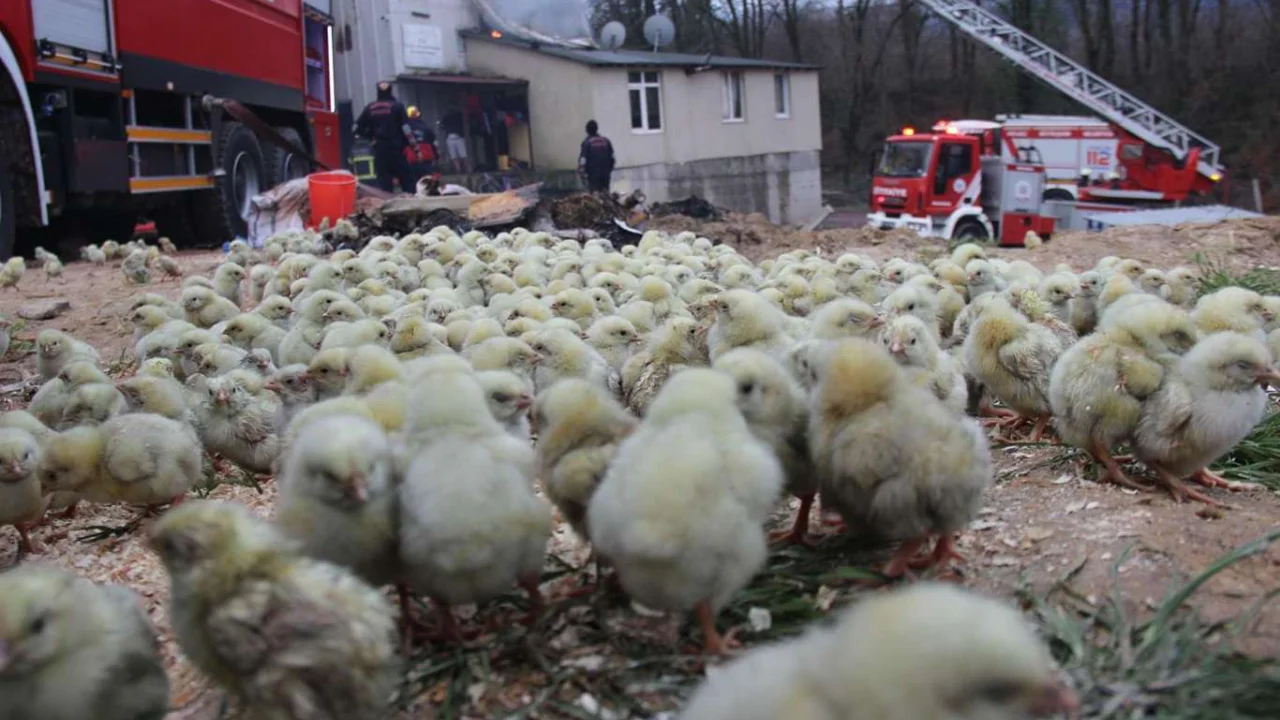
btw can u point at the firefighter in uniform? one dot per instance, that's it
(595, 160)
(386, 122)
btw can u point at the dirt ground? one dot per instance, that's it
(1040, 521)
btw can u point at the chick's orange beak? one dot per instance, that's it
(876, 322)
(221, 397)
(272, 385)
(896, 348)
(1055, 698)
(1270, 376)
(358, 489)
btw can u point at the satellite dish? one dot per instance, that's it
(613, 35)
(659, 31)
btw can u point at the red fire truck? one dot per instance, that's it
(102, 119)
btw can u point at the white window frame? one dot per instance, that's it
(785, 112)
(643, 86)
(733, 80)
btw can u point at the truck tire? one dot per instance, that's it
(220, 214)
(1058, 194)
(285, 165)
(970, 230)
(8, 221)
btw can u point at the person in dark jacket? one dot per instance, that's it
(595, 161)
(422, 155)
(386, 122)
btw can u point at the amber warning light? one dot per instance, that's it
(495, 34)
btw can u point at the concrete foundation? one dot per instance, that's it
(786, 187)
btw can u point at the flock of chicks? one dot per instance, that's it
(675, 391)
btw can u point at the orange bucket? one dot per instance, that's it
(332, 195)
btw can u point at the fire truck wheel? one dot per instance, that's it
(970, 230)
(8, 223)
(284, 165)
(220, 214)
(1057, 194)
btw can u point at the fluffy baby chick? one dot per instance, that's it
(11, 273)
(55, 349)
(1013, 357)
(914, 301)
(413, 338)
(1210, 400)
(352, 335)
(925, 651)
(672, 347)
(138, 459)
(1098, 386)
(575, 305)
(135, 268)
(684, 526)
(22, 504)
(565, 355)
(1152, 281)
(70, 649)
(329, 371)
(168, 266)
(615, 338)
(983, 278)
(1084, 308)
(847, 318)
(93, 254)
(337, 496)
(205, 308)
(369, 367)
(91, 404)
(52, 269)
(291, 637)
(912, 346)
(579, 428)
(293, 385)
(1058, 290)
(868, 426)
(1233, 309)
(237, 421)
(250, 331)
(509, 397)
(160, 396)
(773, 404)
(1181, 285)
(226, 281)
(276, 309)
(746, 319)
(470, 523)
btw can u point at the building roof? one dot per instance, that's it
(639, 58)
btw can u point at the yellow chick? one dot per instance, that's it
(250, 331)
(928, 650)
(352, 335)
(412, 338)
(1098, 385)
(1180, 287)
(470, 523)
(337, 496)
(329, 371)
(914, 301)
(509, 397)
(773, 404)
(1084, 307)
(22, 504)
(135, 269)
(53, 269)
(55, 349)
(891, 458)
(615, 338)
(503, 354)
(370, 366)
(1013, 357)
(683, 525)
(846, 318)
(982, 279)
(565, 355)
(1209, 401)
(291, 637)
(237, 421)
(912, 346)
(746, 319)
(167, 265)
(671, 348)
(293, 385)
(91, 404)
(137, 459)
(575, 305)
(50, 401)
(205, 308)
(1233, 309)
(11, 273)
(160, 396)
(72, 649)
(579, 428)
(1058, 290)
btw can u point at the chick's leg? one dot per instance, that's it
(798, 534)
(901, 560)
(1180, 491)
(536, 604)
(1111, 469)
(25, 543)
(716, 644)
(1208, 478)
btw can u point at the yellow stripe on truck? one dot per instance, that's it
(142, 134)
(166, 184)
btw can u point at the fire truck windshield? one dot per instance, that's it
(905, 159)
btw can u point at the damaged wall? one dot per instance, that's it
(786, 187)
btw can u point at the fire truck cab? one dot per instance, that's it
(943, 184)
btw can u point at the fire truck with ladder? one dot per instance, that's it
(112, 110)
(982, 180)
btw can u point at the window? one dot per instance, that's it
(734, 108)
(782, 95)
(645, 89)
(954, 161)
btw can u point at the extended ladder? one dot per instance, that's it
(1077, 82)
